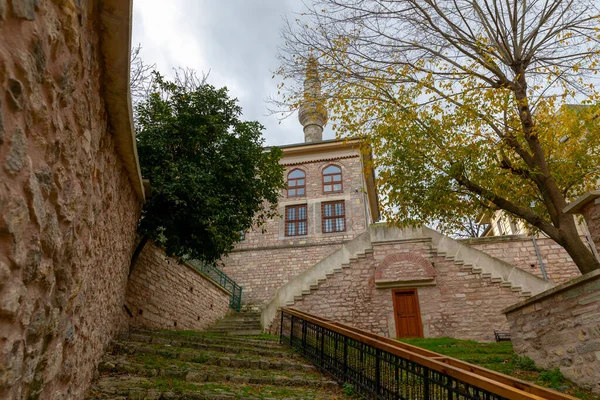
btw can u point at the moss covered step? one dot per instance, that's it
(151, 366)
(163, 367)
(135, 387)
(166, 337)
(132, 346)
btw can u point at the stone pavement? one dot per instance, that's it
(190, 365)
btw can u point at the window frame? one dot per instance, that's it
(332, 183)
(296, 221)
(297, 186)
(333, 217)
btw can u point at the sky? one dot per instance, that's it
(235, 40)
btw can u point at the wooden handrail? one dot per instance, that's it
(480, 377)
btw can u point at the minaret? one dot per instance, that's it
(312, 114)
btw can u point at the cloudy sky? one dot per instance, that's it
(236, 40)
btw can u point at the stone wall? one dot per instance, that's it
(591, 213)
(560, 328)
(519, 251)
(267, 259)
(457, 304)
(68, 206)
(163, 294)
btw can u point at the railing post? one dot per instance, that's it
(345, 358)
(426, 383)
(292, 332)
(377, 373)
(281, 329)
(322, 345)
(304, 336)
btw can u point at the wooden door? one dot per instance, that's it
(407, 313)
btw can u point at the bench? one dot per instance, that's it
(501, 336)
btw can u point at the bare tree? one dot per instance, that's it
(464, 100)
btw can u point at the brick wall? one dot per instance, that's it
(520, 252)
(267, 259)
(163, 294)
(68, 209)
(460, 304)
(560, 328)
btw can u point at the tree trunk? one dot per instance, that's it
(136, 253)
(578, 250)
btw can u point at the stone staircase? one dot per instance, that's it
(238, 323)
(469, 259)
(191, 365)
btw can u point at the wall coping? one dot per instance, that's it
(206, 278)
(495, 239)
(557, 289)
(576, 205)
(115, 47)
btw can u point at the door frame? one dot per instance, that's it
(416, 294)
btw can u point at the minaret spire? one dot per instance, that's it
(312, 114)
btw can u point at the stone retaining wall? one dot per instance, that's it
(560, 328)
(456, 303)
(163, 294)
(68, 204)
(519, 251)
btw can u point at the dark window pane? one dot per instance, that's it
(328, 188)
(339, 224)
(300, 182)
(337, 187)
(327, 179)
(337, 178)
(292, 183)
(301, 192)
(328, 226)
(339, 208)
(292, 192)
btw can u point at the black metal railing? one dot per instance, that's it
(220, 277)
(378, 370)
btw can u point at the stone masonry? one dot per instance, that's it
(68, 205)
(519, 251)
(560, 328)
(267, 259)
(163, 294)
(457, 304)
(591, 213)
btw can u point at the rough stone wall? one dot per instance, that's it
(591, 213)
(266, 259)
(520, 252)
(163, 294)
(68, 211)
(461, 304)
(261, 272)
(560, 328)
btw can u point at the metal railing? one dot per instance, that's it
(220, 277)
(383, 368)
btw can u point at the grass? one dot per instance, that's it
(500, 357)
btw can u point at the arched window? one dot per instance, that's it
(296, 183)
(332, 179)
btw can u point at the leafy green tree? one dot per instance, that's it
(210, 176)
(467, 105)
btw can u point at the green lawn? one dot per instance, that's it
(500, 357)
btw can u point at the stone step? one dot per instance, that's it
(525, 294)
(515, 288)
(241, 325)
(248, 332)
(476, 270)
(134, 387)
(257, 341)
(213, 370)
(286, 360)
(506, 284)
